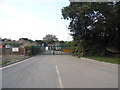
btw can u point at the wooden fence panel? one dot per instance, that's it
(8, 51)
(21, 52)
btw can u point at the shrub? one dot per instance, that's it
(32, 50)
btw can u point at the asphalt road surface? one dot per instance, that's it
(60, 71)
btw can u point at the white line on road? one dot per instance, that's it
(59, 78)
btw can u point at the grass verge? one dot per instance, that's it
(105, 59)
(11, 58)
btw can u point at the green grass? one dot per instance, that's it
(105, 59)
(4, 62)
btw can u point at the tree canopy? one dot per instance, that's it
(49, 39)
(94, 25)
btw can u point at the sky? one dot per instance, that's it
(33, 19)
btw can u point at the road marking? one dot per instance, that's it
(59, 78)
(14, 64)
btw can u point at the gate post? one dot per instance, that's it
(53, 52)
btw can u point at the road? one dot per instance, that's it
(60, 71)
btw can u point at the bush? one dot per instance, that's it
(32, 50)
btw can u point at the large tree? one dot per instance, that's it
(96, 24)
(49, 39)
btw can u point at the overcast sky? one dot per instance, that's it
(33, 19)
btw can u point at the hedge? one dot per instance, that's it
(32, 50)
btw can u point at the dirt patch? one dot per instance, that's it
(11, 58)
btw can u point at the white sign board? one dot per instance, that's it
(15, 49)
(46, 48)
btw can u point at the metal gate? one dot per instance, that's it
(55, 50)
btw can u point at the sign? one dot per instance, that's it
(56, 45)
(15, 49)
(49, 44)
(46, 48)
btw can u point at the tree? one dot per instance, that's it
(26, 39)
(40, 41)
(49, 39)
(14, 44)
(5, 39)
(95, 28)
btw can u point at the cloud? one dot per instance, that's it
(7, 9)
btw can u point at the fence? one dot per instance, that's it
(56, 50)
(20, 52)
(8, 51)
(35, 50)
